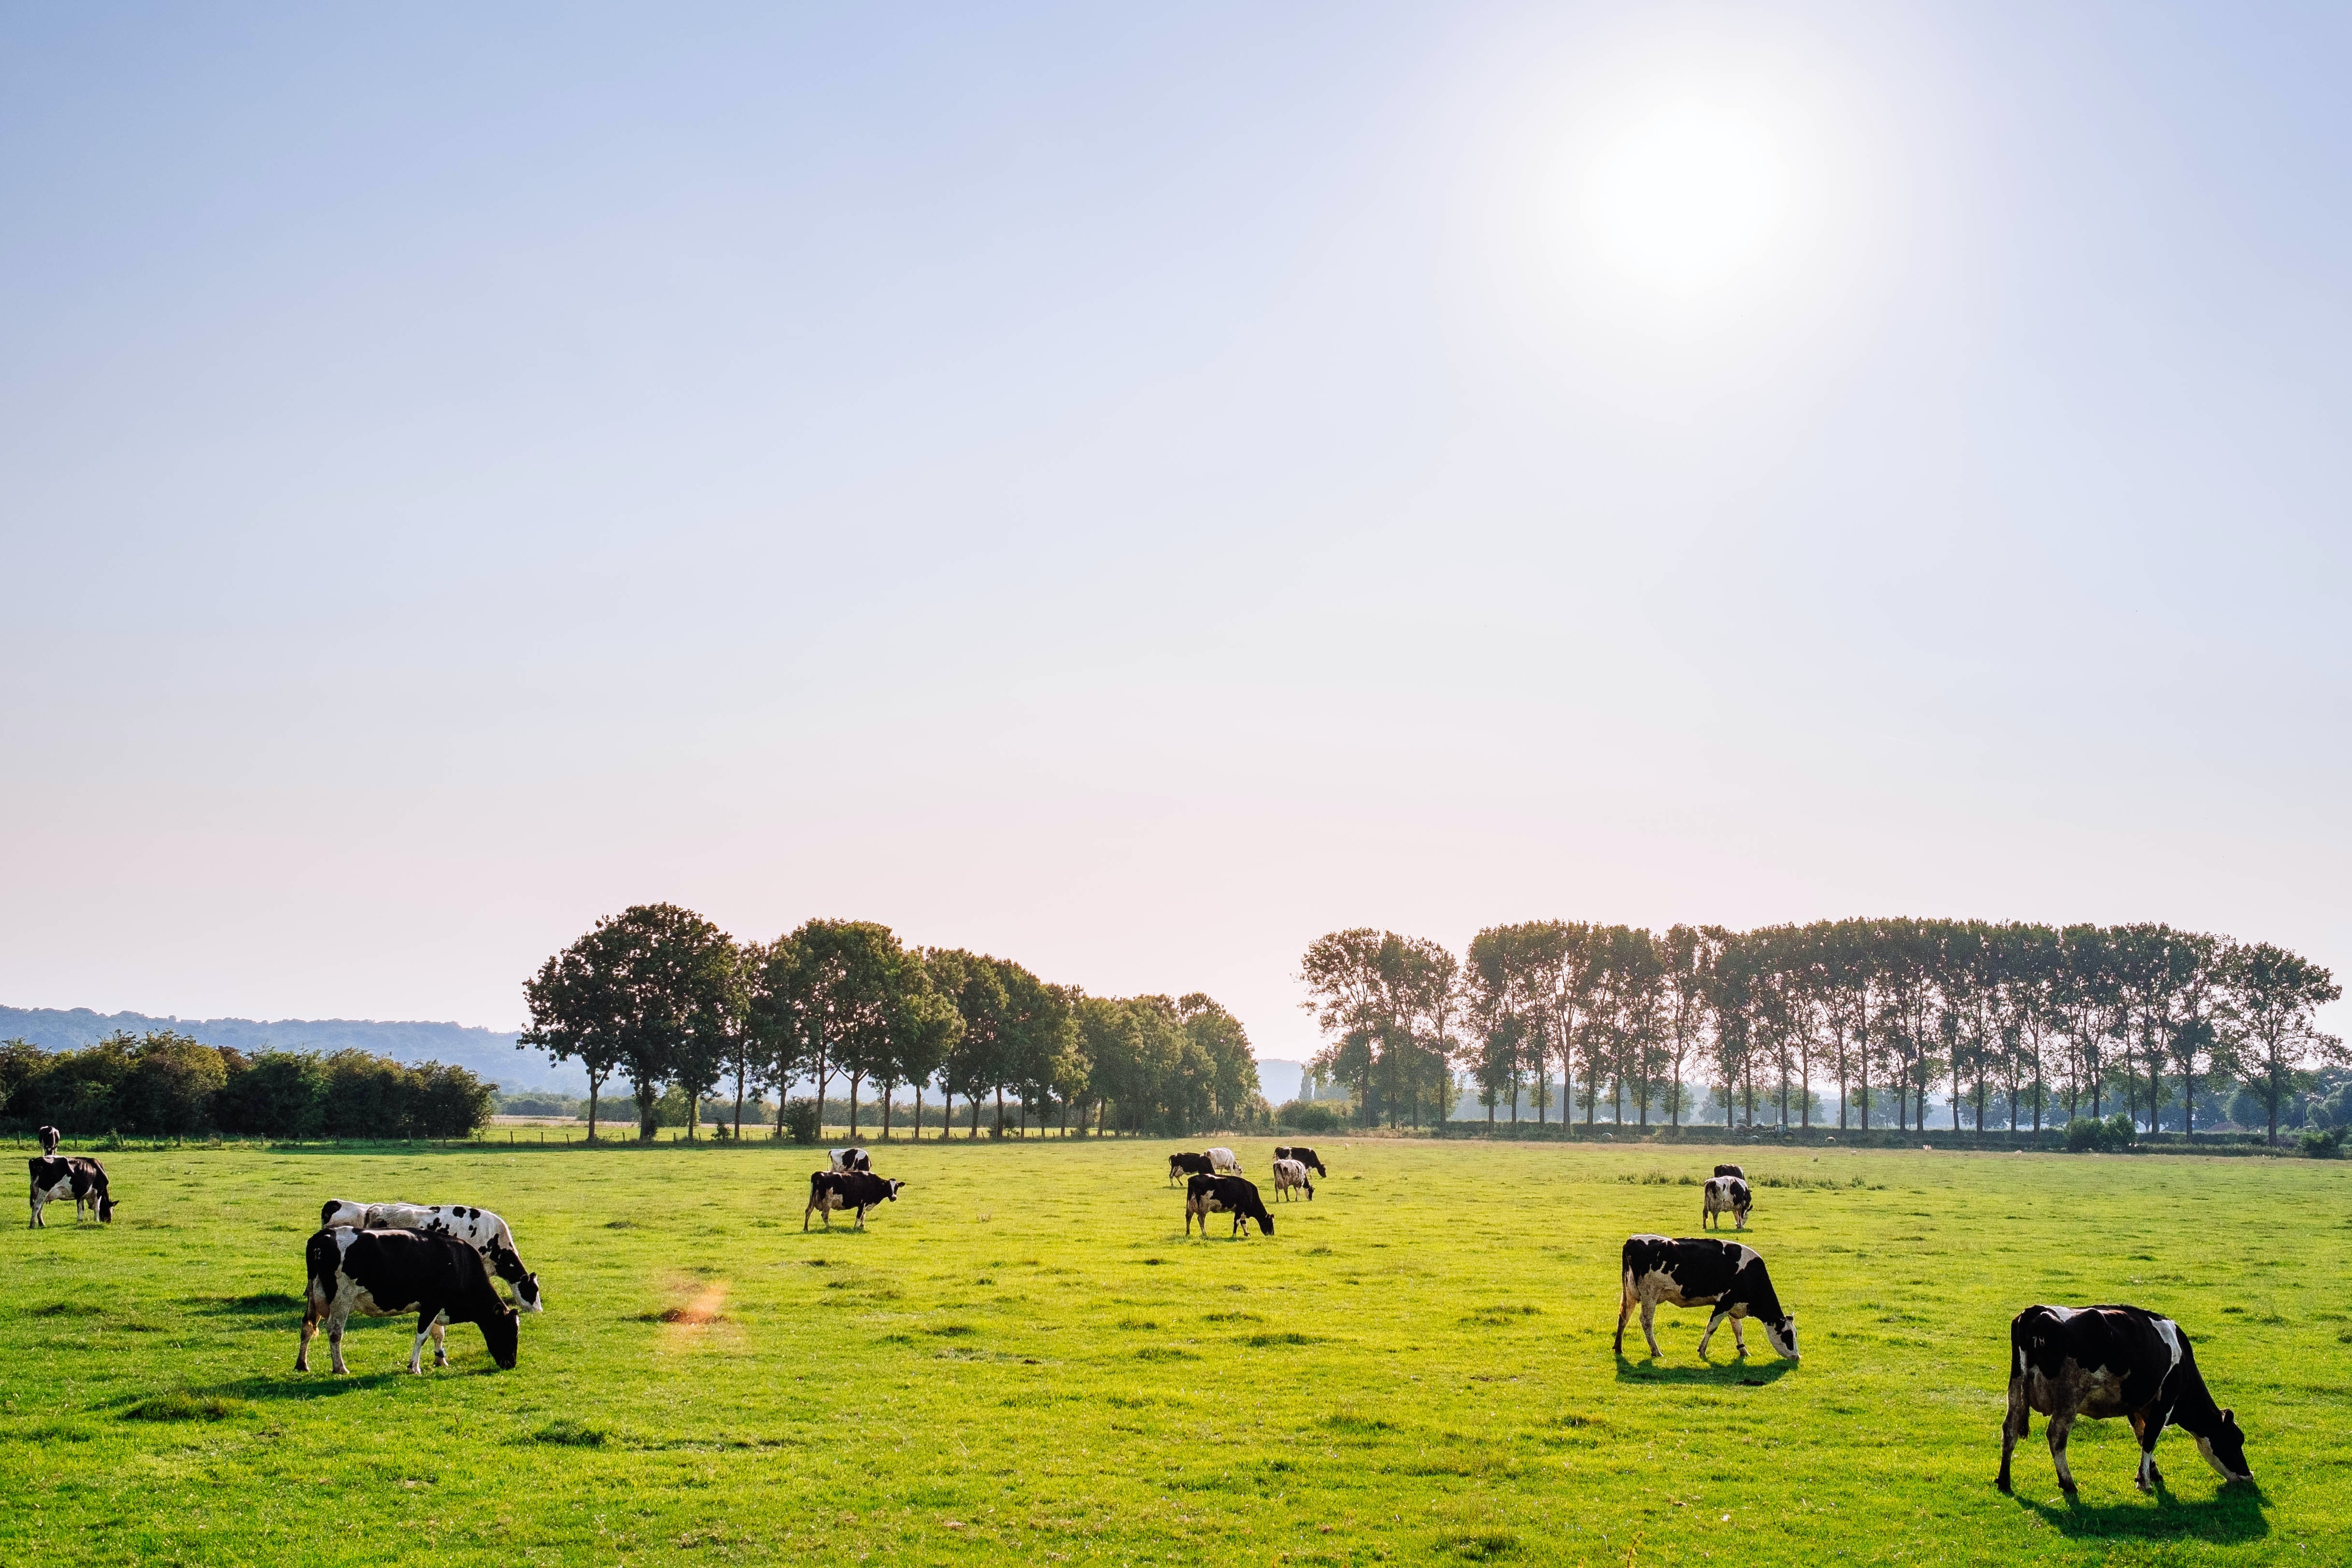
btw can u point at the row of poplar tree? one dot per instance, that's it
(2035, 1015)
(662, 998)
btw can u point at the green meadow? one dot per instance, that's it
(1025, 1358)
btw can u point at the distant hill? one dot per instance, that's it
(487, 1052)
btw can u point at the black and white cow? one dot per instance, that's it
(384, 1274)
(2101, 1362)
(49, 1137)
(1303, 1155)
(851, 1159)
(1725, 1194)
(477, 1228)
(1224, 1160)
(1189, 1165)
(860, 1190)
(57, 1177)
(1236, 1196)
(1731, 1170)
(1289, 1176)
(1702, 1272)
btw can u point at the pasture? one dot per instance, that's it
(1025, 1359)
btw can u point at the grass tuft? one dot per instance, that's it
(1485, 1546)
(566, 1433)
(182, 1405)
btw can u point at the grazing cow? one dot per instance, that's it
(1700, 1271)
(384, 1274)
(1236, 1196)
(57, 1177)
(1731, 1170)
(851, 1159)
(1189, 1165)
(1290, 1175)
(1304, 1156)
(860, 1190)
(477, 1228)
(2100, 1362)
(1223, 1160)
(1725, 1194)
(49, 1137)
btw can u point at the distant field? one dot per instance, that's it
(1025, 1359)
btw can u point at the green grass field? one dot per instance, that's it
(1025, 1358)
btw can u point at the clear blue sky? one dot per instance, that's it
(1133, 489)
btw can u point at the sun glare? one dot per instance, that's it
(1687, 198)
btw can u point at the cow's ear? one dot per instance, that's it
(2229, 1417)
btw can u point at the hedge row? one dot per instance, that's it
(168, 1085)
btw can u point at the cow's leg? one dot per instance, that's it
(1714, 1323)
(309, 1327)
(2060, 1424)
(440, 1342)
(35, 1222)
(1738, 1343)
(1624, 1310)
(861, 1217)
(2014, 1426)
(1650, 1328)
(335, 1343)
(2147, 1428)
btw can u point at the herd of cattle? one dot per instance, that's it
(387, 1259)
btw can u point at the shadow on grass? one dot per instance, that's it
(2235, 1513)
(321, 1385)
(1754, 1373)
(268, 1304)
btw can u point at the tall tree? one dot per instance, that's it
(832, 980)
(2272, 999)
(630, 996)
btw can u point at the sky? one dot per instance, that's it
(1131, 490)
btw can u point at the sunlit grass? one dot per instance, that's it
(1024, 1358)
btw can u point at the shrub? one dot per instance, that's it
(801, 1121)
(2087, 1135)
(2319, 1145)
(1307, 1116)
(277, 1094)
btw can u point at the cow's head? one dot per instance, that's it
(893, 1193)
(2224, 1448)
(500, 1333)
(105, 1209)
(1265, 1220)
(1782, 1333)
(526, 1292)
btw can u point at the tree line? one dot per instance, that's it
(659, 997)
(2037, 1018)
(165, 1084)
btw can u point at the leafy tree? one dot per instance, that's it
(976, 1059)
(170, 1086)
(2271, 997)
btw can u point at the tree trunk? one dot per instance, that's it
(855, 1078)
(974, 1101)
(596, 1082)
(888, 1091)
(645, 1112)
(739, 1104)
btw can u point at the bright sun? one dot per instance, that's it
(1688, 198)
